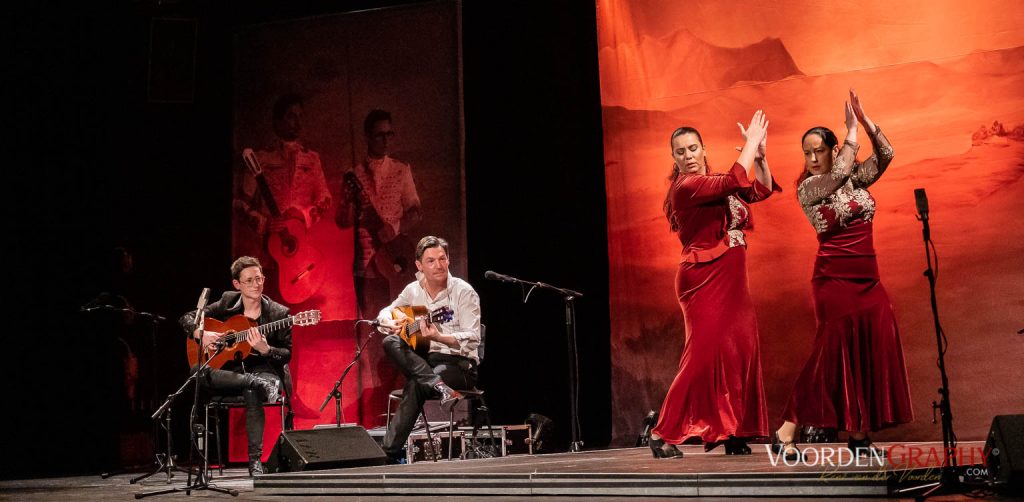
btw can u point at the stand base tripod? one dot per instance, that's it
(164, 463)
(202, 479)
(188, 490)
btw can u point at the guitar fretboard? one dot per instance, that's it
(415, 326)
(269, 327)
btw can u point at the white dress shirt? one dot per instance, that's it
(458, 296)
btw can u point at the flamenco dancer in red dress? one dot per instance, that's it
(717, 395)
(856, 378)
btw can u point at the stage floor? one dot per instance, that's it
(594, 476)
(629, 472)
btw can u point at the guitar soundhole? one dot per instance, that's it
(288, 244)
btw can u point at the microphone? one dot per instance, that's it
(202, 299)
(494, 276)
(922, 203)
(201, 312)
(372, 322)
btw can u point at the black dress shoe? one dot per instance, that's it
(865, 448)
(449, 396)
(736, 446)
(255, 467)
(792, 453)
(712, 445)
(661, 449)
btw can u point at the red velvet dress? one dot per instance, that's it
(718, 391)
(856, 378)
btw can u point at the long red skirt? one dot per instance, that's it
(718, 391)
(856, 377)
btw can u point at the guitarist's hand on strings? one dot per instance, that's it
(258, 341)
(392, 325)
(209, 338)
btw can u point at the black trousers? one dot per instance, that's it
(235, 382)
(420, 377)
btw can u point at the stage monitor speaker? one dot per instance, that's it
(329, 448)
(1004, 452)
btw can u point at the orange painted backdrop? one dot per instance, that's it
(934, 75)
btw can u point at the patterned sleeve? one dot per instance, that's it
(817, 188)
(409, 196)
(248, 202)
(871, 169)
(321, 194)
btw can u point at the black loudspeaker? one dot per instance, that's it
(329, 448)
(1004, 451)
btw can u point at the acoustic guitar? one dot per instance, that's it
(412, 320)
(395, 257)
(297, 262)
(235, 330)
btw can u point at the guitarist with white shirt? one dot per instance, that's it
(452, 356)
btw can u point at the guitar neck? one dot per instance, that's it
(366, 210)
(268, 197)
(263, 329)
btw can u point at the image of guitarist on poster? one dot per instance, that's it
(379, 199)
(282, 196)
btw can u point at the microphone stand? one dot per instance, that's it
(164, 462)
(568, 296)
(202, 480)
(949, 482)
(335, 393)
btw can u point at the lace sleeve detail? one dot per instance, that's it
(816, 188)
(871, 169)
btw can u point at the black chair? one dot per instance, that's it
(473, 394)
(217, 403)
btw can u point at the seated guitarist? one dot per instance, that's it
(451, 358)
(386, 207)
(257, 377)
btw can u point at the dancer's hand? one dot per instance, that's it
(858, 111)
(851, 118)
(762, 147)
(757, 130)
